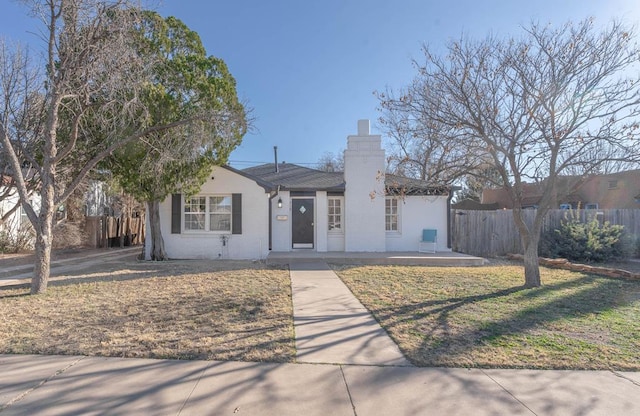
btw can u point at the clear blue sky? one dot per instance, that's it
(309, 68)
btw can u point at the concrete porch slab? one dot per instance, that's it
(376, 258)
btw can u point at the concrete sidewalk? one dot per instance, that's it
(331, 325)
(55, 385)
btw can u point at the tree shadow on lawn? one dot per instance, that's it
(118, 271)
(448, 337)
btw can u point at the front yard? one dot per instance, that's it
(482, 317)
(462, 317)
(181, 310)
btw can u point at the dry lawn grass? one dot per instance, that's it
(180, 310)
(483, 317)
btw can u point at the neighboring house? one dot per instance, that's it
(244, 214)
(9, 201)
(619, 190)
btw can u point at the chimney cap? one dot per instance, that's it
(363, 127)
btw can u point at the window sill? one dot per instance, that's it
(204, 233)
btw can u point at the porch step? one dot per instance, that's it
(450, 259)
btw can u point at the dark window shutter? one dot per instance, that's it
(176, 213)
(236, 213)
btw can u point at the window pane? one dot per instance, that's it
(334, 218)
(195, 204)
(194, 213)
(220, 204)
(220, 222)
(194, 221)
(391, 214)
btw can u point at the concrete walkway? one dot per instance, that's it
(331, 325)
(55, 385)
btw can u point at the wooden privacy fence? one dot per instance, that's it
(104, 231)
(494, 233)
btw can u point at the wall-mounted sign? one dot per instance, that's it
(281, 217)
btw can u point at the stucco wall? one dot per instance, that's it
(13, 223)
(281, 223)
(251, 244)
(418, 213)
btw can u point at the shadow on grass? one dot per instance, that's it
(118, 271)
(540, 306)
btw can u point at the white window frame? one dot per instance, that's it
(331, 217)
(389, 204)
(208, 213)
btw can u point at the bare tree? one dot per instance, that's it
(62, 114)
(421, 147)
(330, 162)
(12, 80)
(552, 101)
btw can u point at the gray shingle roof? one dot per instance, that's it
(298, 178)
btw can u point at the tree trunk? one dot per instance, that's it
(529, 239)
(43, 243)
(531, 265)
(155, 234)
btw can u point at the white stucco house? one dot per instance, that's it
(15, 221)
(9, 200)
(245, 214)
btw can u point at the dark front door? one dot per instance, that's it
(302, 222)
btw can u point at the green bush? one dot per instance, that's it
(587, 241)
